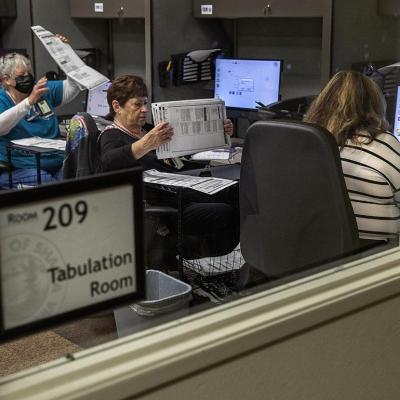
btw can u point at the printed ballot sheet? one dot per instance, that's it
(198, 126)
(36, 141)
(68, 60)
(206, 185)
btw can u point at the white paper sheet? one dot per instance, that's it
(198, 126)
(68, 60)
(216, 154)
(36, 141)
(206, 185)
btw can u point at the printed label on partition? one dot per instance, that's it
(206, 9)
(98, 7)
(63, 255)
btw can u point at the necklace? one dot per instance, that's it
(128, 131)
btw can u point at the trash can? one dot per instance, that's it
(167, 299)
(163, 294)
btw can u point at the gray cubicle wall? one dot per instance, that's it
(15, 31)
(129, 46)
(175, 31)
(126, 37)
(82, 33)
(361, 34)
(297, 41)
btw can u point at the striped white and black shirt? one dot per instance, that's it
(372, 175)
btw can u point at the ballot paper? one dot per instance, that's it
(68, 60)
(198, 126)
(206, 185)
(36, 141)
(216, 154)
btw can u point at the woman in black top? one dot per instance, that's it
(210, 227)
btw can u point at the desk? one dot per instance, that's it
(28, 151)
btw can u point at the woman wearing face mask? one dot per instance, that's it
(27, 110)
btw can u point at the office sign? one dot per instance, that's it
(98, 7)
(62, 254)
(206, 9)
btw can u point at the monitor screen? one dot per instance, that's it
(96, 102)
(396, 119)
(245, 83)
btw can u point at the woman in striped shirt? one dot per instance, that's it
(352, 108)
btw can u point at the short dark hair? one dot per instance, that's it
(123, 88)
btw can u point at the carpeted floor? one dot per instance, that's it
(30, 351)
(37, 349)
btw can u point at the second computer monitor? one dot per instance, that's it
(395, 119)
(96, 102)
(247, 83)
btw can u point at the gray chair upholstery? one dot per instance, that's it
(294, 208)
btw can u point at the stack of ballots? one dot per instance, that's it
(198, 126)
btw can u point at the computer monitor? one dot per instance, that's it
(96, 102)
(388, 80)
(247, 83)
(396, 119)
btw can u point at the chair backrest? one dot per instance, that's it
(81, 151)
(294, 206)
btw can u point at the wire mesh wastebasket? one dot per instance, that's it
(212, 266)
(220, 277)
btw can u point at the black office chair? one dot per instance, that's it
(294, 206)
(82, 158)
(81, 149)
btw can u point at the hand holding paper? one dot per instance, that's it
(198, 125)
(68, 60)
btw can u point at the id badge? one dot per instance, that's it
(44, 109)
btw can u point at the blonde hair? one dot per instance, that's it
(349, 103)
